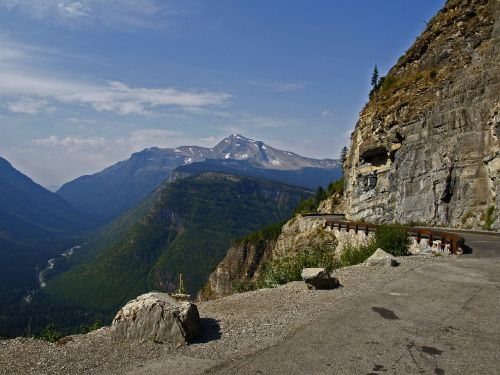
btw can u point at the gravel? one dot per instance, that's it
(234, 327)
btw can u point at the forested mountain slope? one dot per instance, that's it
(188, 230)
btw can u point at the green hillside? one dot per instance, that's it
(188, 229)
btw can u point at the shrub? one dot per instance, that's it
(311, 205)
(336, 187)
(50, 333)
(269, 233)
(91, 327)
(242, 287)
(490, 218)
(393, 239)
(388, 82)
(306, 206)
(433, 73)
(289, 268)
(352, 255)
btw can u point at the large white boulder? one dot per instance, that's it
(159, 317)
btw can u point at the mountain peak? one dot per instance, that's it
(235, 137)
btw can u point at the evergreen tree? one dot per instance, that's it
(375, 77)
(343, 155)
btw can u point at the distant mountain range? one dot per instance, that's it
(116, 189)
(308, 177)
(28, 210)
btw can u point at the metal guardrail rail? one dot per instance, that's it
(455, 240)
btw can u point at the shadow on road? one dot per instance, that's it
(210, 331)
(467, 249)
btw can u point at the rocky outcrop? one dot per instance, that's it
(426, 147)
(157, 317)
(238, 271)
(381, 258)
(301, 233)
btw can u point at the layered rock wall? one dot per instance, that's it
(426, 147)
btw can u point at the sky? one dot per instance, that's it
(83, 84)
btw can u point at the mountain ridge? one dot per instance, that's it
(117, 188)
(26, 206)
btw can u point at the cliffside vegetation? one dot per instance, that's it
(311, 205)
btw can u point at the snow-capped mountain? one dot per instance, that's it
(239, 147)
(121, 186)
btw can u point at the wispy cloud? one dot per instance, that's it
(280, 86)
(327, 114)
(29, 106)
(70, 143)
(58, 159)
(112, 96)
(114, 13)
(30, 91)
(135, 141)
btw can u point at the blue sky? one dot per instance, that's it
(85, 83)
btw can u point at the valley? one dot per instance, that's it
(183, 225)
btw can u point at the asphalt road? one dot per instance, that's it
(441, 318)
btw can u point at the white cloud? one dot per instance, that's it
(85, 121)
(71, 143)
(252, 121)
(208, 140)
(29, 106)
(114, 13)
(112, 96)
(327, 114)
(280, 86)
(74, 10)
(135, 141)
(21, 84)
(141, 139)
(56, 160)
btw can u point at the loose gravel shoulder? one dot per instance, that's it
(234, 327)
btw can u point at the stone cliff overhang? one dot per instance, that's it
(373, 152)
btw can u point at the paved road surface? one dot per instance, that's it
(442, 318)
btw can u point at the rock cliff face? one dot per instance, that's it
(426, 146)
(244, 263)
(240, 268)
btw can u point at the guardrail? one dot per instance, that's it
(455, 241)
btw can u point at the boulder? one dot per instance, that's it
(381, 258)
(318, 278)
(158, 317)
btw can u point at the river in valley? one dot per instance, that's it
(51, 263)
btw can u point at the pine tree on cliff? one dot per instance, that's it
(343, 155)
(375, 77)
